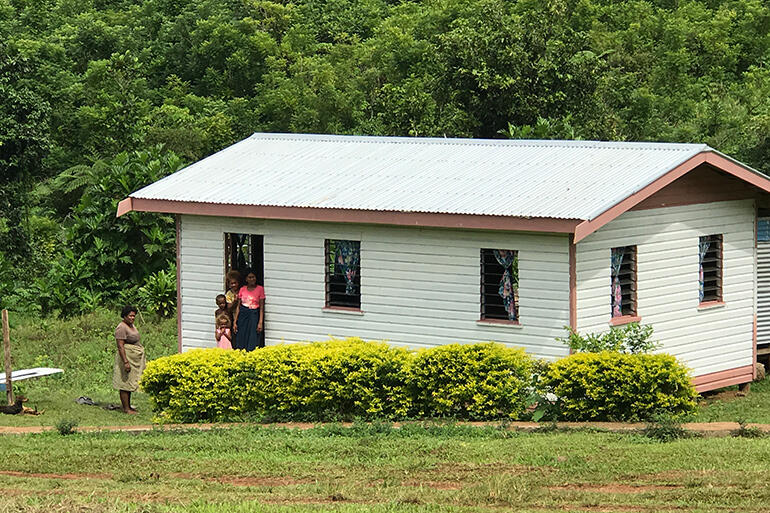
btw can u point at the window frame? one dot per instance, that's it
(484, 315)
(330, 272)
(628, 287)
(718, 268)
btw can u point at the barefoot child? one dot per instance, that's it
(223, 334)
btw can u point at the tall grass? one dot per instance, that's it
(84, 346)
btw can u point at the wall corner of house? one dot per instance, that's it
(178, 222)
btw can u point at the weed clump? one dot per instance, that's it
(746, 431)
(665, 427)
(66, 426)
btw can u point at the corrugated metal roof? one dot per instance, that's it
(521, 178)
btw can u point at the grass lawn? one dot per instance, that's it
(365, 468)
(724, 405)
(85, 348)
(380, 469)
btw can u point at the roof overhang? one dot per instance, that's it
(579, 228)
(715, 159)
(428, 219)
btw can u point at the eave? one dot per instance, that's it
(332, 215)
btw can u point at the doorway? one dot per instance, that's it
(245, 251)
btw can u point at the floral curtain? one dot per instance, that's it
(703, 247)
(347, 257)
(616, 258)
(506, 291)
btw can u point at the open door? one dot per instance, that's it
(246, 251)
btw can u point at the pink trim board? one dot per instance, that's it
(466, 221)
(714, 380)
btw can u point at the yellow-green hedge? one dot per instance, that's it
(618, 386)
(194, 386)
(344, 379)
(340, 379)
(325, 380)
(319, 381)
(476, 381)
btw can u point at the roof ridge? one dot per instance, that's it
(534, 143)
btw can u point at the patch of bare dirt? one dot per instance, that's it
(725, 395)
(261, 481)
(329, 499)
(153, 497)
(675, 476)
(436, 485)
(484, 469)
(16, 492)
(36, 475)
(245, 480)
(616, 508)
(614, 488)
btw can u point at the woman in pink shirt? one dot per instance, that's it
(250, 315)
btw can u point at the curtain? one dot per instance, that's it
(703, 247)
(506, 291)
(242, 263)
(347, 257)
(616, 258)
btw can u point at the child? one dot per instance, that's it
(234, 284)
(221, 307)
(224, 337)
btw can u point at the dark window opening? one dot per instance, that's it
(623, 282)
(343, 273)
(710, 272)
(499, 284)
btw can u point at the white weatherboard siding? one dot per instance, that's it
(707, 340)
(763, 292)
(420, 287)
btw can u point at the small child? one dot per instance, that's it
(231, 296)
(221, 307)
(224, 337)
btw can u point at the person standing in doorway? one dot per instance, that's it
(129, 360)
(231, 296)
(250, 316)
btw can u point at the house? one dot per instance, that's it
(426, 241)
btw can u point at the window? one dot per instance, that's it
(623, 283)
(244, 251)
(500, 284)
(710, 258)
(763, 225)
(343, 273)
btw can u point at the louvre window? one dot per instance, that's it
(710, 257)
(623, 284)
(343, 273)
(499, 284)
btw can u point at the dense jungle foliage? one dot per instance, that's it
(100, 97)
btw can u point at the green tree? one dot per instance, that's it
(108, 257)
(23, 144)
